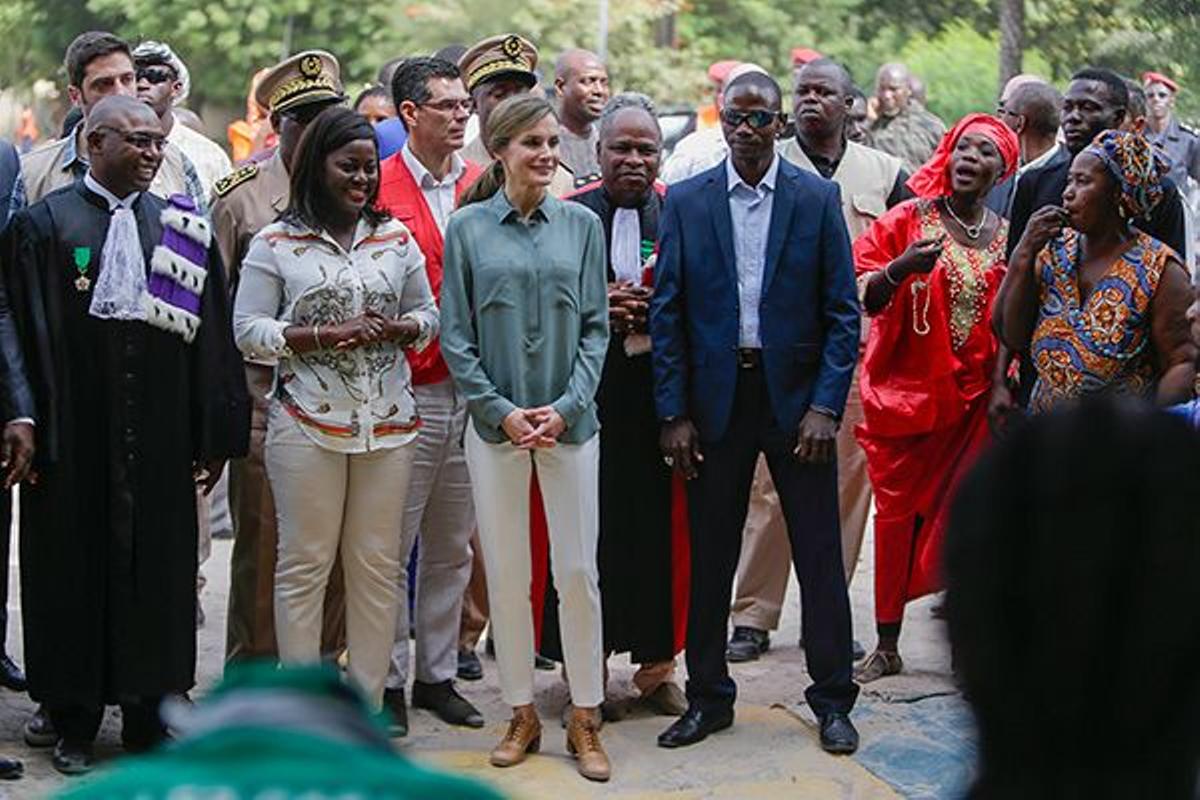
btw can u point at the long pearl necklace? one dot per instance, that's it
(972, 231)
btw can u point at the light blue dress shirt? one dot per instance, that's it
(750, 210)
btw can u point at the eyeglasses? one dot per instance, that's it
(142, 141)
(156, 74)
(757, 119)
(450, 105)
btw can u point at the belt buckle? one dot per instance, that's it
(747, 358)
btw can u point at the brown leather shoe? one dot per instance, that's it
(524, 736)
(583, 742)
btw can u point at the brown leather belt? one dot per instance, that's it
(749, 358)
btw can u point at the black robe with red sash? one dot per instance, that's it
(643, 549)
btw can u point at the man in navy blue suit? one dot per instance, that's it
(755, 325)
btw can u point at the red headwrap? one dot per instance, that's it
(933, 179)
(1157, 77)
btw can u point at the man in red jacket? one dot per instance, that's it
(420, 186)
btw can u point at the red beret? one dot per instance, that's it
(719, 70)
(1158, 77)
(804, 55)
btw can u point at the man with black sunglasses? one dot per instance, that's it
(163, 82)
(754, 325)
(871, 182)
(245, 202)
(99, 64)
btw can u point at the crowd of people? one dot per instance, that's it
(474, 352)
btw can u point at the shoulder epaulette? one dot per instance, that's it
(234, 179)
(1188, 129)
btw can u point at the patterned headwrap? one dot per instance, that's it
(933, 179)
(151, 52)
(1137, 167)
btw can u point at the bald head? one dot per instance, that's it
(822, 95)
(115, 111)
(919, 93)
(1015, 82)
(829, 69)
(893, 89)
(1036, 106)
(125, 144)
(575, 58)
(581, 83)
(895, 71)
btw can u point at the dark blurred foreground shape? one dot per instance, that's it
(1071, 566)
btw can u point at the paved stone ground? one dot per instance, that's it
(916, 732)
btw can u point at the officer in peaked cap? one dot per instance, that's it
(245, 202)
(495, 69)
(304, 79)
(507, 57)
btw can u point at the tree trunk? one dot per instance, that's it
(664, 31)
(1012, 38)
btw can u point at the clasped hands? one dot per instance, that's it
(533, 428)
(368, 328)
(628, 306)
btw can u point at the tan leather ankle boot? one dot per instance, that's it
(524, 736)
(583, 742)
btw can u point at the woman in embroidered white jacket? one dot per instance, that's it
(334, 292)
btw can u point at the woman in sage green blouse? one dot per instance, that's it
(524, 332)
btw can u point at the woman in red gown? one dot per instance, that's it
(928, 271)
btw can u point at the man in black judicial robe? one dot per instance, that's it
(127, 415)
(639, 550)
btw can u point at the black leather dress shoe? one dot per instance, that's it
(72, 758)
(838, 735)
(11, 676)
(470, 668)
(695, 726)
(393, 701)
(445, 701)
(39, 730)
(10, 768)
(747, 644)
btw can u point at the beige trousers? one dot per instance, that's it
(569, 477)
(439, 509)
(331, 503)
(250, 625)
(766, 559)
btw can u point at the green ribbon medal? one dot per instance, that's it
(83, 257)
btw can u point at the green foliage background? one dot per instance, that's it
(953, 44)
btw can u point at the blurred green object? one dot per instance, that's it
(277, 733)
